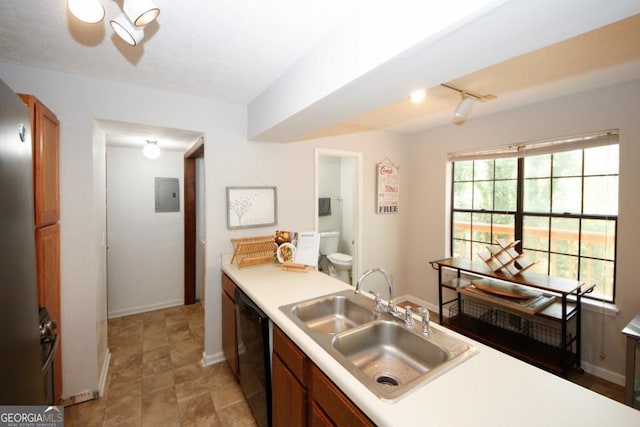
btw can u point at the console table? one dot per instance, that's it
(549, 338)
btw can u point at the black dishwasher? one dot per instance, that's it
(254, 357)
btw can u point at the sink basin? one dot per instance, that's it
(389, 353)
(378, 349)
(333, 314)
(389, 357)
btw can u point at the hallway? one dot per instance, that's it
(155, 377)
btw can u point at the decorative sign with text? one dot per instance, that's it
(388, 189)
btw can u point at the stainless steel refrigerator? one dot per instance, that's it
(27, 342)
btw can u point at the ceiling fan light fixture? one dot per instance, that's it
(88, 11)
(151, 150)
(141, 12)
(126, 30)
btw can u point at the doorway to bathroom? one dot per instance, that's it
(339, 212)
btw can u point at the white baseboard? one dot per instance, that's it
(211, 359)
(144, 308)
(605, 374)
(418, 301)
(102, 383)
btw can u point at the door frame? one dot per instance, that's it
(358, 256)
(195, 152)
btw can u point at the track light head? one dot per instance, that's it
(126, 30)
(88, 11)
(462, 110)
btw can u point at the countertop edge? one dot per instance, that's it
(270, 287)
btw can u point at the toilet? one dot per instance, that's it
(339, 264)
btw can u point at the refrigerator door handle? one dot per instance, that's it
(52, 354)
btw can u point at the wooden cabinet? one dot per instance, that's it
(317, 417)
(45, 133)
(288, 372)
(48, 275)
(45, 130)
(229, 337)
(337, 407)
(289, 396)
(303, 395)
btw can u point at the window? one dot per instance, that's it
(558, 198)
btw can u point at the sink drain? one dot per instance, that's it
(387, 380)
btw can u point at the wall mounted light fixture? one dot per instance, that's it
(463, 109)
(151, 150)
(128, 25)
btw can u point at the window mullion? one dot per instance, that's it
(519, 217)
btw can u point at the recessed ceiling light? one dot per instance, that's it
(417, 96)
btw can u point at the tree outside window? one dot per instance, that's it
(561, 204)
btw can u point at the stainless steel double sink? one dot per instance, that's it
(388, 357)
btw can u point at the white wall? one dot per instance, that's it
(77, 101)
(230, 160)
(329, 184)
(100, 248)
(201, 238)
(348, 191)
(146, 248)
(610, 108)
(402, 243)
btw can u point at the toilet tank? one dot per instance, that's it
(329, 241)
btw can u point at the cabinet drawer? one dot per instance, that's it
(333, 402)
(290, 354)
(228, 286)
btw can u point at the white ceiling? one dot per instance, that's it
(230, 50)
(234, 51)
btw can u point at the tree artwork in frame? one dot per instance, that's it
(251, 207)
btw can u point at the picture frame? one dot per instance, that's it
(249, 207)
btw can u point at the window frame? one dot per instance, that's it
(519, 214)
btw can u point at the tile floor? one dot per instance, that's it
(155, 377)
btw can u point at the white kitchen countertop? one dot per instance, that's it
(489, 389)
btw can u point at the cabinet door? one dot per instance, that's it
(229, 337)
(318, 418)
(333, 402)
(291, 355)
(45, 130)
(288, 402)
(48, 275)
(46, 172)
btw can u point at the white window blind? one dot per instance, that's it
(535, 148)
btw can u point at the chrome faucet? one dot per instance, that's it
(377, 303)
(391, 307)
(408, 317)
(424, 313)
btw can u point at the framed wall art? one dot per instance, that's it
(251, 207)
